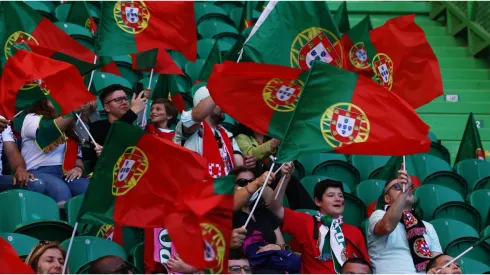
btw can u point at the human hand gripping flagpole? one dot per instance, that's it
(143, 121)
(281, 183)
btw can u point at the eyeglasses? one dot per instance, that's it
(243, 182)
(235, 269)
(398, 187)
(118, 100)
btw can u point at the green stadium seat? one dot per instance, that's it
(195, 87)
(226, 41)
(21, 243)
(480, 199)
(125, 65)
(470, 266)
(204, 10)
(425, 164)
(145, 81)
(179, 59)
(433, 137)
(131, 237)
(236, 16)
(224, 46)
(341, 170)
(212, 27)
(354, 211)
(228, 6)
(21, 213)
(479, 253)
(449, 230)
(307, 211)
(193, 69)
(102, 80)
(79, 33)
(485, 232)
(429, 197)
(368, 164)
(299, 170)
(476, 172)
(438, 150)
(460, 211)
(137, 256)
(45, 8)
(246, 32)
(448, 179)
(369, 190)
(309, 183)
(61, 11)
(310, 161)
(86, 249)
(204, 47)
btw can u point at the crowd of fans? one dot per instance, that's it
(398, 241)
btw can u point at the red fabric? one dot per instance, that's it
(164, 64)
(211, 152)
(300, 226)
(416, 71)
(172, 26)
(71, 154)
(10, 262)
(179, 102)
(150, 265)
(152, 129)
(110, 68)
(348, 44)
(63, 80)
(371, 208)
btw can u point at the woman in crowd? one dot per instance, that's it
(163, 115)
(47, 258)
(51, 151)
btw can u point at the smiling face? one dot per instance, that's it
(50, 262)
(332, 202)
(158, 113)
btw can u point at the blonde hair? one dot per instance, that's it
(32, 259)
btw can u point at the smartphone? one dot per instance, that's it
(138, 87)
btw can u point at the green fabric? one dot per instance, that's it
(360, 33)
(326, 86)
(342, 18)
(146, 59)
(247, 15)
(214, 57)
(327, 252)
(98, 203)
(48, 135)
(167, 85)
(101, 80)
(250, 147)
(78, 14)
(234, 52)
(470, 141)
(20, 17)
(278, 40)
(224, 185)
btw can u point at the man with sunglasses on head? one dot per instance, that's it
(398, 240)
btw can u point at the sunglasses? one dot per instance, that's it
(243, 182)
(398, 187)
(235, 269)
(118, 100)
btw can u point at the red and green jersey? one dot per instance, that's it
(471, 146)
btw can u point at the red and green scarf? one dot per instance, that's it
(217, 150)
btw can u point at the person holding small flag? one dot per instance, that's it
(163, 114)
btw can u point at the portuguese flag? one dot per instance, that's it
(294, 34)
(213, 58)
(79, 14)
(167, 87)
(143, 181)
(470, 146)
(343, 112)
(10, 262)
(269, 92)
(147, 60)
(342, 18)
(137, 26)
(56, 80)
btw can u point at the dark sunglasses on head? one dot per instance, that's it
(398, 187)
(243, 182)
(118, 100)
(235, 269)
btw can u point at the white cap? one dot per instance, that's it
(200, 94)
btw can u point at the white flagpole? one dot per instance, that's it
(143, 119)
(260, 195)
(404, 169)
(281, 183)
(69, 247)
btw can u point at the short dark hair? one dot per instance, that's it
(323, 185)
(107, 91)
(241, 169)
(388, 181)
(357, 261)
(105, 265)
(236, 254)
(170, 108)
(432, 262)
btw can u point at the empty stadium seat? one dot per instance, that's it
(236, 16)
(228, 6)
(309, 183)
(479, 253)
(204, 47)
(21, 243)
(429, 197)
(449, 230)
(368, 164)
(193, 69)
(204, 10)
(354, 211)
(336, 168)
(79, 33)
(369, 190)
(212, 27)
(480, 199)
(440, 151)
(145, 81)
(102, 80)
(137, 256)
(476, 172)
(448, 179)
(125, 65)
(460, 211)
(45, 8)
(33, 214)
(308, 162)
(86, 249)
(224, 46)
(486, 232)
(470, 266)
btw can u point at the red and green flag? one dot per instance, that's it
(10, 262)
(60, 82)
(168, 86)
(471, 146)
(342, 18)
(144, 181)
(399, 58)
(128, 27)
(79, 14)
(213, 58)
(294, 34)
(342, 112)
(147, 60)
(269, 92)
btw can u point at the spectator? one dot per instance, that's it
(51, 151)
(200, 131)
(435, 265)
(3, 123)
(398, 240)
(356, 266)
(117, 106)
(238, 262)
(21, 178)
(47, 258)
(163, 115)
(321, 252)
(109, 265)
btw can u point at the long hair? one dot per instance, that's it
(32, 259)
(43, 109)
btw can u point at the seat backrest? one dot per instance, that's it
(86, 249)
(366, 164)
(460, 211)
(369, 190)
(472, 170)
(204, 47)
(102, 80)
(429, 197)
(479, 253)
(23, 207)
(470, 266)
(438, 150)
(339, 170)
(61, 11)
(354, 210)
(193, 69)
(138, 256)
(72, 207)
(311, 161)
(211, 27)
(480, 200)
(426, 164)
(205, 8)
(21, 243)
(449, 230)
(74, 29)
(310, 182)
(448, 179)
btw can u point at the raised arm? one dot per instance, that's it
(276, 205)
(242, 196)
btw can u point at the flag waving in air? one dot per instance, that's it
(10, 262)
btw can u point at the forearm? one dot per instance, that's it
(203, 109)
(259, 152)
(391, 218)
(63, 123)
(242, 196)
(15, 159)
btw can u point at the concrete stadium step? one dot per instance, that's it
(456, 74)
(462, 63)
(451, 126)
(444, 41)
(450, 51)
(463, 85)
(439, 106)
(466, 96)
(395, 7)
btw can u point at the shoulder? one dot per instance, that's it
(376, 215)
(351, 229)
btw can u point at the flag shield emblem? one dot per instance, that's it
(421, 248)
(383, 69)
(480, 154)
(281, 94)
(214, 246)
(358, 56)
(90, 25)
(129, 169)
(131, 16)
(20, 40)
(106, 231)
(345, 125)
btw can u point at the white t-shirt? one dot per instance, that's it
(6, 136)
(33, 155)
(390, 253)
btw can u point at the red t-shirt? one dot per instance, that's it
(154, 130)
(300, 227)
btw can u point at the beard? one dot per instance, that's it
(217, 118)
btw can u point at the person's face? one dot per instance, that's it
(117, 104)
(355, 268)
(217, 115)
(241, 266)
(242, 179)
(50, 262)
(393, 190)
(451, 269)
(158, 113)
(332, 203)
